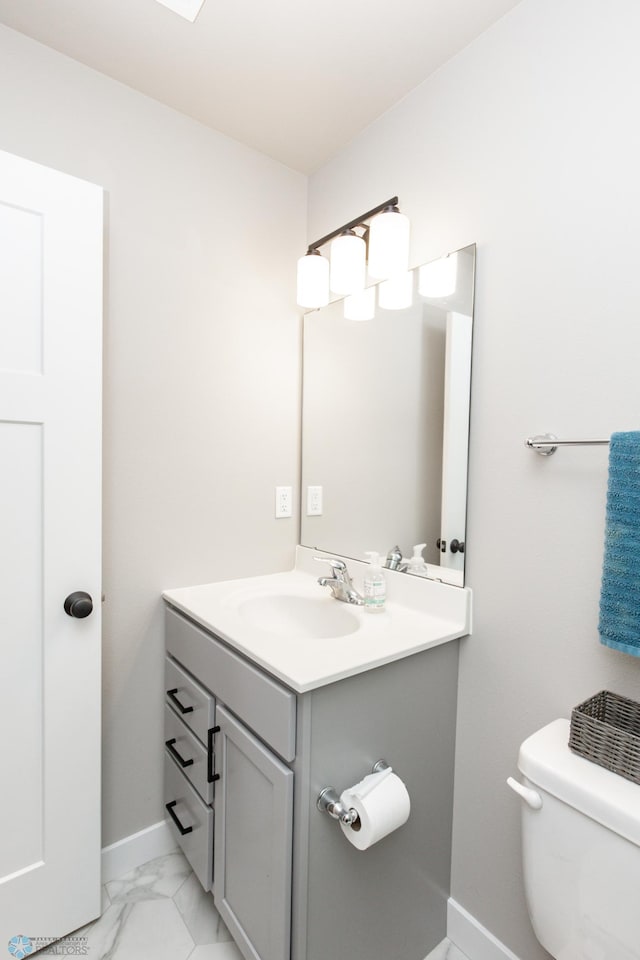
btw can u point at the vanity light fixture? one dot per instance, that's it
(383, 232)
(397, 292)
(439, 278)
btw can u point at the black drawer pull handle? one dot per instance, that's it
(169, 744)
(172, 696)
(174, 817)
(211, 776)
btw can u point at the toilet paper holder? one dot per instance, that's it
(329, 800)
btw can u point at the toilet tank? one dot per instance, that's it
(581, 852)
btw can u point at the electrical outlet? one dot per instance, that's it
(314, 501)
(284, 502)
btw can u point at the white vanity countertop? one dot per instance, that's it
(419, 614)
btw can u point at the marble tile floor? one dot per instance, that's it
(157, 911)
(160, 910)
(447, 951)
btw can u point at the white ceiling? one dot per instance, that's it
(294, 79)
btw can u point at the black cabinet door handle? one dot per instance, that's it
(174, 817)
(172, 696)
(211, 776)
(169, 744)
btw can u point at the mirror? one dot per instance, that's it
(385, 423)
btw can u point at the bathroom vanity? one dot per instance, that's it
(275, 691)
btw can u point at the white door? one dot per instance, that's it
(50, 472)
(455, 444)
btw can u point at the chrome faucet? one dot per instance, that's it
(340, 583)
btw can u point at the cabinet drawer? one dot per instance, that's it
(263, 703)
(183, 803)
(189, 754)
(195, 705)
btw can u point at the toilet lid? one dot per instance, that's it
(547, 762)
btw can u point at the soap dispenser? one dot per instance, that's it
(375, 588)
(416, 565)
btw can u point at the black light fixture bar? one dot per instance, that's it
(393, 202)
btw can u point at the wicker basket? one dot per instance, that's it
(606, 730)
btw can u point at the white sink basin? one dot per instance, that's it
(295, 630)
(301, 617)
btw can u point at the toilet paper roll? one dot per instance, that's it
(382, 804)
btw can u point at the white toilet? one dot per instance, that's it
(580, 849)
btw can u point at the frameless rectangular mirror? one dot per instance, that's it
(385, 422)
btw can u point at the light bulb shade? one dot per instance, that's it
(388, 244)
(439, 278)
(348, 263)
(396, 293)
(313, 281)
(361, 306)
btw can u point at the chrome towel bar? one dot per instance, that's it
(546, 443)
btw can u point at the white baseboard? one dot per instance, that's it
(130, 852)
(472, 938)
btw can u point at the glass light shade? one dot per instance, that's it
(361, 306)
(388, 244)
(438, 279)
(396, 293)
(348, 263)
(313, 281)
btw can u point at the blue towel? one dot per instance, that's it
(620, 596)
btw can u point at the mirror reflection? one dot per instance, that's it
(385, 421)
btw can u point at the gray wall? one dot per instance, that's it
(527, 144)
(201, 369)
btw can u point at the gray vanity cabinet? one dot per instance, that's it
(286, 881)
(253, 837)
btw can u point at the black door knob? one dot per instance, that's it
(78, 605)
(457, 546)
(441, 545)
